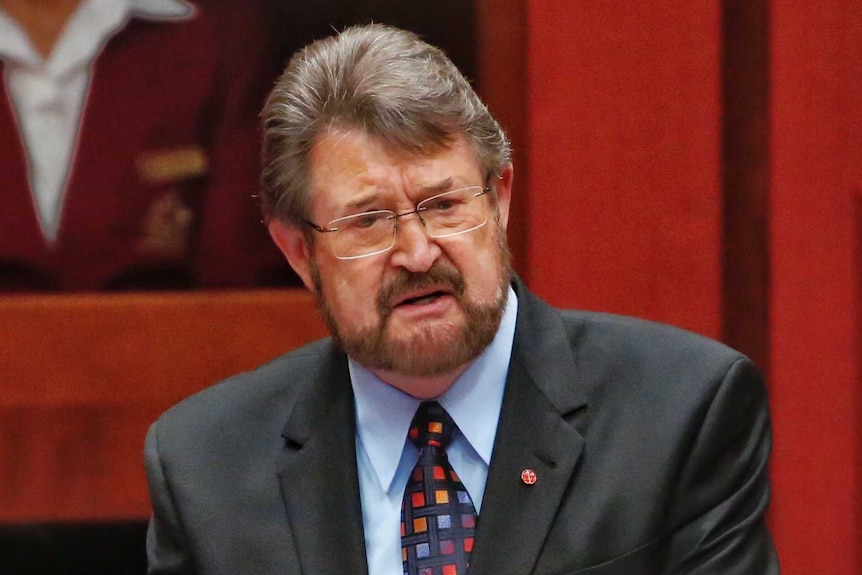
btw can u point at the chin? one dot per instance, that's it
(430, 351)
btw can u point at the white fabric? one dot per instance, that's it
(48, 94)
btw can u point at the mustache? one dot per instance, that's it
(440, 274)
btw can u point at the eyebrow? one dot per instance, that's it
(438, 188)
(364, 201)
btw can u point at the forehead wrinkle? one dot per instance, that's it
(326, 143)
(364, 200)
(441, 186)
(335, 171)
(374, 176)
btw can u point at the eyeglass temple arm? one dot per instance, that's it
(318, 228)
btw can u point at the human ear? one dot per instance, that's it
(503, 187)
(291, 242)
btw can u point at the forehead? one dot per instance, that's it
(348, 167)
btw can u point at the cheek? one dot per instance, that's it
(479, 263)
(485, 279)
(352, 297)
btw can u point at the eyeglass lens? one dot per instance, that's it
(447, 214)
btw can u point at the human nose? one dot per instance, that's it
(413, 249)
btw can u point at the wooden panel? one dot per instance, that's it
(625, 198)
(82, 377)
(103, 349)
(73, 462)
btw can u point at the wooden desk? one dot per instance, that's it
(83, 376)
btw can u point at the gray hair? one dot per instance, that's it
(397, 88)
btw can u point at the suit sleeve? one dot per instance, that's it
(724, 488)
(167, 553)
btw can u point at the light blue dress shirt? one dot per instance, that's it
(385, 457)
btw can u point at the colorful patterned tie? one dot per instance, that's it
(437, 515)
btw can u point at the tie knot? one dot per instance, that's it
(431, 426)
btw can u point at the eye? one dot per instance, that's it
(368, 220)
(443, 204)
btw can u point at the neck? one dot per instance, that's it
(43, 20)
(421, 387)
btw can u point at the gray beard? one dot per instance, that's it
(426, 352)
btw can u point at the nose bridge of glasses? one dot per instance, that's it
(412, 244)
(403, 229)
(417, 210)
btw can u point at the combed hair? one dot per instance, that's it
(388, 82)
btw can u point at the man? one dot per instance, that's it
(129, 148)
(585, 443)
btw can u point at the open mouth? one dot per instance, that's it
(423, 299)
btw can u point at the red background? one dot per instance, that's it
(696, 163)
(627, 197)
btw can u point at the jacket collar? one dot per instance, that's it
(318, 472)
(537, 434)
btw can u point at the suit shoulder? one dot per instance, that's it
(626, 347)
(274, 385)
(633, 334)
(639, 374)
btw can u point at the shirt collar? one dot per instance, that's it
(383, 413)
(161, 9)
(84, 33)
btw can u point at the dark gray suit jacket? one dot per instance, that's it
(650, 445)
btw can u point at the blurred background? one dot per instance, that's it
(697, 163)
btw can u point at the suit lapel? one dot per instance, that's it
(319, 478)
(533, 434)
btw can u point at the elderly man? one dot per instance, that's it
(453, 418)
